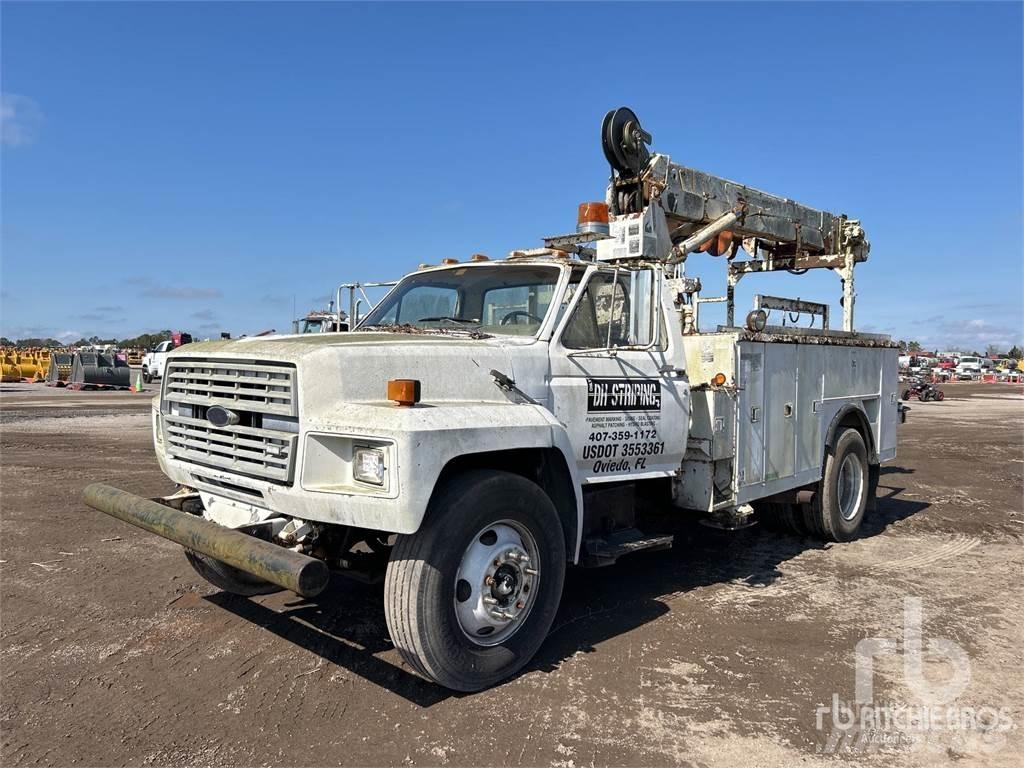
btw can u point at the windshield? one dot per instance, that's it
(503, 299)
(312, 326)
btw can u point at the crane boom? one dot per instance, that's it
(660, 210)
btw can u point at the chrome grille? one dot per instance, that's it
(234, 384)
(262, 445)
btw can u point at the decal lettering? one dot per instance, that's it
(623, 395)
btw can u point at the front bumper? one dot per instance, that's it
(303, 575)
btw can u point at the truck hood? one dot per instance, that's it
(355, 367)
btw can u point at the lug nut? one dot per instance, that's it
(520, 605)
(490, 600)
(530, 571)
(489, 580)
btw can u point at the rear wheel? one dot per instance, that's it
(838, 507)
(906, 394)
(227, 578)
(148, 378)
(470, 597)
(940, 395)
(781, 516)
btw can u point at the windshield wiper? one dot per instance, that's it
(449, 318)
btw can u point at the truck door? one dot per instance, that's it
(615, 384)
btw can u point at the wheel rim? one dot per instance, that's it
(496, 583)
(851, 486)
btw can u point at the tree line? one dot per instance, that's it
(991, 351)
(142, 341)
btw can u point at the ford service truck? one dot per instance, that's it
(491, 422)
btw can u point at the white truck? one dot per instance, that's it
(969, 367)
(492, 422)
(154, 361)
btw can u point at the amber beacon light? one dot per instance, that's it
(404, 391)
(593, 217)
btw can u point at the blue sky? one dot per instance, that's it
(198, 166)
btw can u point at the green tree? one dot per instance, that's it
(913, 347)
(1015, 352)
(145, 340)
(36, 342)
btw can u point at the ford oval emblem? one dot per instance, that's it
(221, 417)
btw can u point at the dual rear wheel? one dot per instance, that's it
(841, 500)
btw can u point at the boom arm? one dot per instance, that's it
(662, 210)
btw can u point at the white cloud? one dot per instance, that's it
(154, 290)
(975, 333)
(19, 119)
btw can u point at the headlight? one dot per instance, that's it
(368, 466)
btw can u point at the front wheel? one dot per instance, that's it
(470, 597)
(906, 394)
(940, 395)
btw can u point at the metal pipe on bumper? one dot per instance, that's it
(303, 575)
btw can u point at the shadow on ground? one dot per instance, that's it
(345, 625)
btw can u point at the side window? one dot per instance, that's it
(615, 310)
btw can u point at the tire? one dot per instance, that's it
(427, 615)
(228, 578)
(940, 395)
(837, 512)
(906, 394)
(782, 517)
(146, 377)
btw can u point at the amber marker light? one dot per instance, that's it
(719, 380)
(404, 391)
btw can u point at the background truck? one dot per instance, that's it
(321, 321)
(491, 422)
(968, 367)
(154, 360)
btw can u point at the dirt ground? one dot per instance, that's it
(730, 649)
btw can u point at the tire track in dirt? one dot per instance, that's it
(961, 545)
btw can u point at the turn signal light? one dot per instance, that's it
(449, 260)
(479, 257)
(719, 380)
(404, 391)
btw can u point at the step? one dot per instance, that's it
(598, 552)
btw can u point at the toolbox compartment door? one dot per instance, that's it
(751, 419)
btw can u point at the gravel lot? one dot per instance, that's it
(719, 652)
